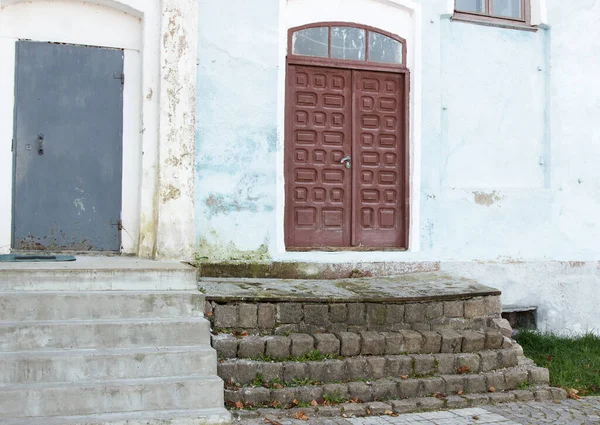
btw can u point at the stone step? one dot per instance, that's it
(90, 273)
(106, 364)
(391, 388)
(404, 406)
(137, 395)
(89, 334)
(160, 417)
(349, 344)
(244, 372)
(65, 305)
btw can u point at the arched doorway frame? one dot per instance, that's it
(158, 209)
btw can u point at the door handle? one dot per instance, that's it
(346, 161)
(40, 140)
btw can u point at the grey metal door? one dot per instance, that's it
(67, 147)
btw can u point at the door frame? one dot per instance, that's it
(292, 60)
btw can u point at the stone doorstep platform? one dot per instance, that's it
(416, 287)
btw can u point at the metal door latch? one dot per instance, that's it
(40, 140)
(346, 161)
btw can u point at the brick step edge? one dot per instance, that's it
(411, 405)
(244, 372)
(393, 388)
(350, 344)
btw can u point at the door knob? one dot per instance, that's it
(346, 161)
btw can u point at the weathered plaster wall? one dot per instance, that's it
(236, 128)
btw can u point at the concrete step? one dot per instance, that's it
(98, 274)
(64, 305)
(388, 389)
(161, 417)
(402, 406)
(137, 395)
(89, 334)
(245, 372)
(109, 364)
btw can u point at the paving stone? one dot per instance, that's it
(308, 393)
(289, 313)
(225, 345)
(378, 408)
(489, 360)
(523, 395)
(393, 342)
(301, 344)
(278, 347)
(383, 389)
(247, 316)
(475, 384)
(507, 358)
(432, 386)
(493, 339)
(271, 371)
(476, 399)
(403, 406)
(503, 397)
(208, 307)
(353, 409)
(294, 371)
(397, 366)
(349, 344)
(356, 368)
(539, 376)
(284, 396)
(338, 390)
(286, 329)
(360, 390)
(414, 313)
(434, 310)
(473, 341)
(503, 326)
(514, 378)
(558, 394)
(232, 395)
(432, 342)
(251, 347)
(316, 314)
(356, 314)
(328, 412)
(266, 316)
(338, 313)
(256, 395)
(454, 309)
(376, 367)
(412, 341)
(456, 402)
(394, 314)
(227, 371)
(474, 308)
(542, 395)
(226, 316)
(419, 327)
(246, 371)
(445, 363)
(376, 316)
(330, 370)
(409, 388)
(451, 341)
(372, 343)
(424, 364)
(454, 383)
(327, 344)
(429, 403)
(495, 380)
(470, 361)
(493, 305)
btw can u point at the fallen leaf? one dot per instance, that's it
(572, 393)
(492, 389)
(441, 396)
(300, 415)
(277, 385)
(314, 403)
(459, 392)
(476, 418)
(344, 415)
(239, 405)
(210, 314)
(244, 333)
(294, 402)
(463, 369)
(404, 377)
(275, 403)
(368, 411)
(272, 422)
(355, 400)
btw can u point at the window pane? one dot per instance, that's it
(507, 8)
(384, 49)
(311, 42)
(348, 43)
(471, 5)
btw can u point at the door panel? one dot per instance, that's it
(378, 159)
(67, 147)
(318, 137)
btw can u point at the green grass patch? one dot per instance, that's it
(573, 362)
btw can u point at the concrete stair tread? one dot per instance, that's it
(175, 417)
(7, 324)
(102, 351)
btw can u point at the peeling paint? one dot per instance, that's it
(487, 199)
(171, 193)
(218, 251)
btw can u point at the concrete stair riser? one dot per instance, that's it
(31, 336)
(105, 305)
(120, 396)
(88, 365)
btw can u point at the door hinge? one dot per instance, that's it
(119, 76)
(119, 224)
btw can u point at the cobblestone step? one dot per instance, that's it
(408, 405)
(391, 388)
(244, 372)
(350, 344)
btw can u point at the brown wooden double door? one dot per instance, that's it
(345, 154)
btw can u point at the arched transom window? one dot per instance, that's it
(347, 41)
